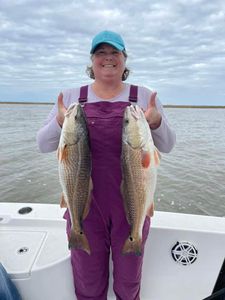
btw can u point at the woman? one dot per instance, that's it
(106, 225)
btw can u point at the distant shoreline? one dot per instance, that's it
(36, 103)
(165, 105)
(192, 106)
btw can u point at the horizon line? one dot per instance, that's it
(164, 105)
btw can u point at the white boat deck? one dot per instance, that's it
(33, 249)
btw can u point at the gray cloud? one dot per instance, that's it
(177, 47)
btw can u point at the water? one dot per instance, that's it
(191, 178)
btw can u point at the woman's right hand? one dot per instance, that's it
(61, 110)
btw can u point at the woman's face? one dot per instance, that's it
(108, 63)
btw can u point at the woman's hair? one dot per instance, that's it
(125, 74)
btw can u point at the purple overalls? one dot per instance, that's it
(106, 225)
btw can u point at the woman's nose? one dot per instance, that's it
(108, 56)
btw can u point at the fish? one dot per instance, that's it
(139, 163)
(74, 165)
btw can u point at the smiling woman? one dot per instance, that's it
(99, 52)
(106, 224)
(108, 65)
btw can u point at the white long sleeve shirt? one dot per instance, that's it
(48, 136)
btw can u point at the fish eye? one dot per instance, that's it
(126, 121)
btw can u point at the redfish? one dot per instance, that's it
(139, 161)
(74, 163)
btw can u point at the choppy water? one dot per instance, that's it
(191, 178)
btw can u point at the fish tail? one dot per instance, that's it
(78, 240)
(132, 245)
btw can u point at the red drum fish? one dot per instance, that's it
(139, 160)
(74, 163)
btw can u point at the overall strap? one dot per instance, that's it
(133, 93)
(83, 94)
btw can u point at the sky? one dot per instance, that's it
(176, 47)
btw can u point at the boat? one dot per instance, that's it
(184, 254)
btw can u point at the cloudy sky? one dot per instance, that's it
(176, 47)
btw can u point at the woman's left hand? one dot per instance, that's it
(152, 115)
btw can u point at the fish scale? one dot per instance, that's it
(135, 187)
(75, 173)
(139, 162)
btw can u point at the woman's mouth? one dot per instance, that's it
(109, 66)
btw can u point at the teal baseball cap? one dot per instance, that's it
(108, 37)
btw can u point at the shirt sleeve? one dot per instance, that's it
(164, 136)
(49, 134)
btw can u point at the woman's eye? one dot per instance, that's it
(100, 53)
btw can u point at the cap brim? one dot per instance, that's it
(115, 45)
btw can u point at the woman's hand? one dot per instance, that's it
(152, 115)
(61, 110)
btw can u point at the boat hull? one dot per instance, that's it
(183, 254)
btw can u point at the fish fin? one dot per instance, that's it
(123, 193)
(150, 210)
(159, 154)
(146, 159)
(79, 241)
(63, 201)
(132, 245)
(157, 157)
(62, 153)
(87, 207)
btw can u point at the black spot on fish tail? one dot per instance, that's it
(132, 246)
(78, 240)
